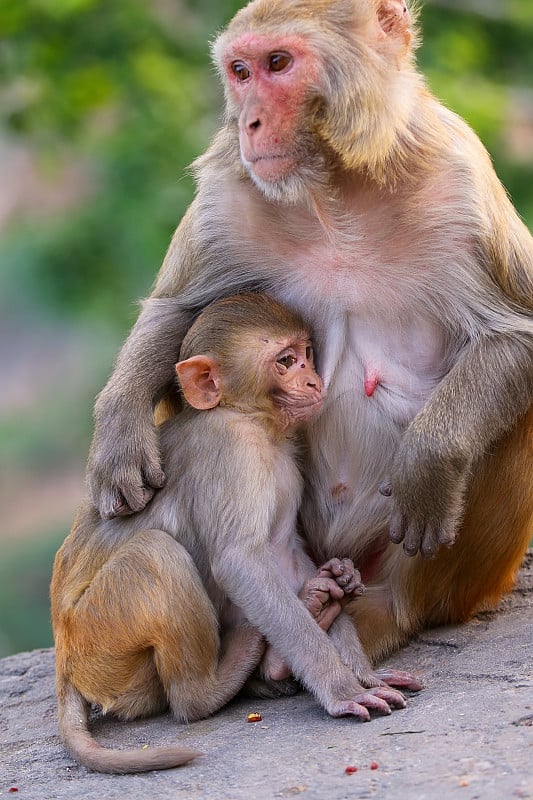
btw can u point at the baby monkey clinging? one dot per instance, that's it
(172, 606)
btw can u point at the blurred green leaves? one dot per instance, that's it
(124, 89)
(473, 53)
(24, 591)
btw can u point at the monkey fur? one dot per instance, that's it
(341, 186)
(170, 606)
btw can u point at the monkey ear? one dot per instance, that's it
(200, 381)
(395, 19)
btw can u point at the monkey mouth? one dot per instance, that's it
(303, 411)
(271, 167)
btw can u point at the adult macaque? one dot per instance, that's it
(137, 603)
(339, 184)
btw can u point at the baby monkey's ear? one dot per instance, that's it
(199, 378)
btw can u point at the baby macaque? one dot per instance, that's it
(172, 606)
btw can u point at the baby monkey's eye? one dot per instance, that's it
(286, 360)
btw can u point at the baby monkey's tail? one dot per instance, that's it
(74, 730)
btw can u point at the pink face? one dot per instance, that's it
(269, 79)
(296, 387)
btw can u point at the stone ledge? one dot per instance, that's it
(468, 735)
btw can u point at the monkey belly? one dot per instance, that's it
(350, 452)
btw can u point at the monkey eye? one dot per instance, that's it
(286, 360)
(241, 71)
(277, 62)
(309, 352)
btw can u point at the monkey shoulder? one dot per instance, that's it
(478, 202)
(467, 166)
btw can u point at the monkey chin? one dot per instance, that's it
(272, 168)
(293, 188)
(295, 415)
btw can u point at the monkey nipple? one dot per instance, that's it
(371, 383)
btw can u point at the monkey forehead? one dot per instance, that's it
(272, 346)
(283, 339)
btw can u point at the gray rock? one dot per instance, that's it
(468, 735)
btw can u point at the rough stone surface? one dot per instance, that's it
(468, 735)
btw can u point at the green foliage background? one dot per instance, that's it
(124, 90)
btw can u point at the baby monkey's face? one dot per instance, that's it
(297, 388)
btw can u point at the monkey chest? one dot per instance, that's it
(379, 373)
(385, 360)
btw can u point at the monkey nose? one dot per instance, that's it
(254, 125)
(314, 383)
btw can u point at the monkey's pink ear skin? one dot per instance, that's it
(199, 379)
